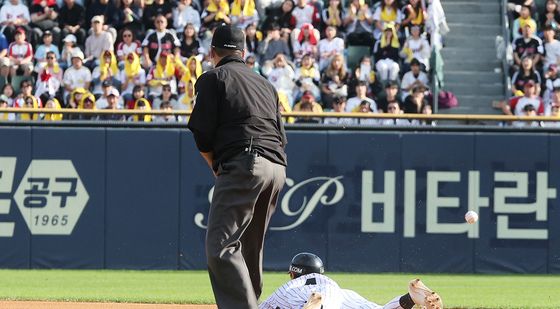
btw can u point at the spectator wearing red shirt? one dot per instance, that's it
(517, 105)
(20, 53)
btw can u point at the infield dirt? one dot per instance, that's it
(81, 305)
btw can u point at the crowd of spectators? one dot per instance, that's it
(148, 54)
(536, 56)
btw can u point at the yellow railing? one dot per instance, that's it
(448, 117)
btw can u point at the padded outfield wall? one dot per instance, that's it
(367, 201)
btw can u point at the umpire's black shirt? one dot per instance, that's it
(232, 105)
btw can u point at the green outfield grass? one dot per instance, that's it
(458, 291)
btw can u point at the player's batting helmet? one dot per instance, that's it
(306, 263)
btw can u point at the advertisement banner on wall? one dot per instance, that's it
(364, 201)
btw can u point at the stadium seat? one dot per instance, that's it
(3, 81)
(355, 53)
(16, 81)
(540, 5)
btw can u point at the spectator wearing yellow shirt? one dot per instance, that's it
(387, 13)
(308, 104)
(520, 22)
(216, 13)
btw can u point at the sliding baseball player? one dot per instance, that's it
(310, 289)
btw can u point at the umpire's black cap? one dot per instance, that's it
(228, 37)
(306, 263)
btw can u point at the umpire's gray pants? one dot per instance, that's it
(245, 196)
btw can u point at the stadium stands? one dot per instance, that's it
(141, 47)
(535, 54)
(472, 70)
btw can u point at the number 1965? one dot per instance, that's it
(51, 220)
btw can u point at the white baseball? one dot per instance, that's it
(471, 217)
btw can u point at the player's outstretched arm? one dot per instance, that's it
(315, 301)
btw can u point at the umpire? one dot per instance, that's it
(238, 130)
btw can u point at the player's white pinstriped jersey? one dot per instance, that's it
(353, 300)
(294, 293)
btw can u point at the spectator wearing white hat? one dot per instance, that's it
(98, 42)
(77, 76)
(68, 49)
(113, 104)
(107, 88)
